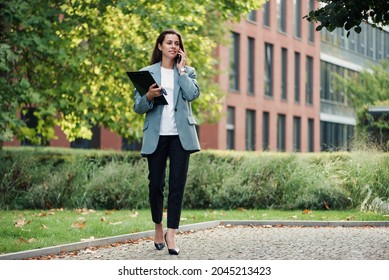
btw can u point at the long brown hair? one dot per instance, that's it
(157, 53)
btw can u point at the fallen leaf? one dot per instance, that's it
(293, 217)
(79, 225)
(103, 219)
(21, 222)
(183, 219)
(23, 240)
(115, 223)
(44, 226)
(306, 211)
(134, 214)
(81, 210)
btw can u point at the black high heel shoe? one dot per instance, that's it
(159, 246)
(174, 251)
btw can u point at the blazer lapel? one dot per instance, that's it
(155, 71)
(176, 86)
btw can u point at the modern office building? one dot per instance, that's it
(277, 73)
(345, 56)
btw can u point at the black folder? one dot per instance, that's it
(142, 81)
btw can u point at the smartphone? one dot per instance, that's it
(178, 58)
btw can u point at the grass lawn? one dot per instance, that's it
(26, 230)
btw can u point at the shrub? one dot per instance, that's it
(54, 178)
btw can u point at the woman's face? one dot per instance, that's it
(170, 46)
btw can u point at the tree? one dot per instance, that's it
(68, 60)
(350, 14)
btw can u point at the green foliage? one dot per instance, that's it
(350, 14)
(68, 59)
(44, 179)
(117, 185)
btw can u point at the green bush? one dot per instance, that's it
(54, 178)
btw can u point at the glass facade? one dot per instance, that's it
(281, 132)
(297, 134)
(230, 128)
(284, 74)
(266, 131)
(309, 81)
(250, 65)
(268, 69)
(297, 76)
(234, 61)
(281, 15)
(250, 130)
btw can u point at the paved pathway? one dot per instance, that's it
(254, 243)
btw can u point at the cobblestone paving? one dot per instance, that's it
(255, 243)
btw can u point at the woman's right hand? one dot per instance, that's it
(153, 92)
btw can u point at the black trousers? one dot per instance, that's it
(168, 147)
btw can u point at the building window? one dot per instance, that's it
(250, 130)
(361, 44)
(93, 143)
(268, 69)
(311, 25)
(266, 14)
(251, 59)
(252, 16)
(386, 44)
(281, 15)
(297, 18)
(281, 126)
(379, 54)
(234, 61)
(31, 120)
(351, 41)
(310, 135)
(265, 131)
(327, 82)
(370, 42)
(284, 73)
(335, 136)
(230, 128)
(296, 134)
(297, 77)
(309, 80)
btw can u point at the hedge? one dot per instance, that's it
(42, 178)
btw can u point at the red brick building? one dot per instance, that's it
(273, 83)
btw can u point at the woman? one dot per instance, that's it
(169, 131)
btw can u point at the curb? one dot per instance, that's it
(192, 227)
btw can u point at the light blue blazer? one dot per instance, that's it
(186, 89)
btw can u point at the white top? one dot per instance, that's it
(168, 122)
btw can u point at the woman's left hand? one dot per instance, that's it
(182, 62)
